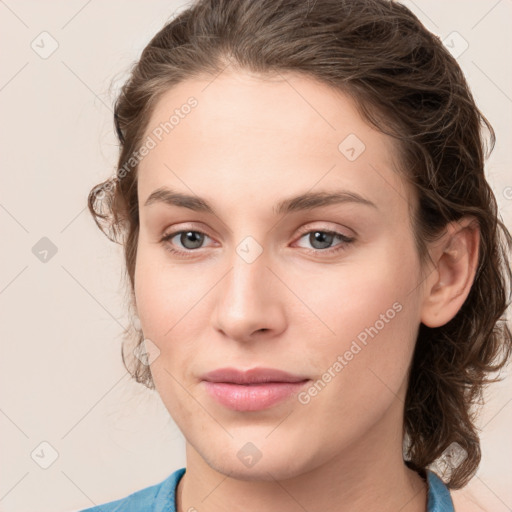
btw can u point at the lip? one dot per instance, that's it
(251, 376)
(252, 390)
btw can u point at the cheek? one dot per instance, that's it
(172, 302)
(163, 300)
(354, 296)
(161, 293)
(375, 319)
(372, 311)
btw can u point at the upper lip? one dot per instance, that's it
(251, 376)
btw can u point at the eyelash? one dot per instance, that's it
(345, 241)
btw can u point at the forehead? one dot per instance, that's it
(250, 133)
(255, 107)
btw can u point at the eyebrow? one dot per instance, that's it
(306, 201)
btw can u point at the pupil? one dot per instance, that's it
(192, 234)
(320, 237)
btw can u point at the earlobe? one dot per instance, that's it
(455, 258)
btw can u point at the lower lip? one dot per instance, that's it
(253, 397)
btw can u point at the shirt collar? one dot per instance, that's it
(439, 499)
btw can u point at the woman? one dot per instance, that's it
(314, 255)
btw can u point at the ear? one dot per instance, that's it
(455, 258)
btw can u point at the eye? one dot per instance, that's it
(321, 240)
(189, 239)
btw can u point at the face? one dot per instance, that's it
(326, 290)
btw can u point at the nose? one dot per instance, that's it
(249, 300)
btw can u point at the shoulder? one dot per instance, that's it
(155, 498)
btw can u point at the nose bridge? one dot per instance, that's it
(249, 276)
(248, 300)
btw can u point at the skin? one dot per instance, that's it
(251, 142)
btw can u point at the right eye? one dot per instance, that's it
(190, 240)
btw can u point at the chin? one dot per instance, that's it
(262, 471)
(248, 462)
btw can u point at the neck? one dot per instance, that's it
(368, 476)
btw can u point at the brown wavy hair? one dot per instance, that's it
(407, 85)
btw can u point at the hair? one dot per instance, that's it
(408, 86)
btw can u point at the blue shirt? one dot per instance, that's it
(162, 497)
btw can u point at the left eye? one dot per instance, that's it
(321, 239)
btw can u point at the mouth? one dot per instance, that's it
(252, 390)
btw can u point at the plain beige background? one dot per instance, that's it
(62, 379)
